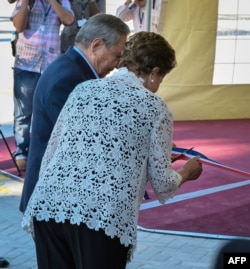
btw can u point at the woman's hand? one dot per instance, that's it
(191, 170)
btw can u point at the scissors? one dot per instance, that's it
(180, 155)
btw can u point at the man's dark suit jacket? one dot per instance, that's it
(52, 91)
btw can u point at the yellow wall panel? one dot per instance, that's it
(190, 27)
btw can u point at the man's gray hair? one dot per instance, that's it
(105, 26)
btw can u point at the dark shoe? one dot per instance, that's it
(22, 164)
(3, 263)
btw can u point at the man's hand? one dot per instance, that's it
(127, 2)
(140, 3)
(65, 15)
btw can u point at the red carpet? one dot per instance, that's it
(221, 211)
(6, 162)
(219, 201)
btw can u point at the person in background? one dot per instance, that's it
(135, 10)
(98, 47)
(83, 9)
(37, 23)
(112, 136)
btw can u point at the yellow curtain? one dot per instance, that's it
(190, 27)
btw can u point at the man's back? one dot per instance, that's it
(52, 91)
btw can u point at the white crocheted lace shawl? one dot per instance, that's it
(112, 136)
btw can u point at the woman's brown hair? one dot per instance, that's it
(146, 50)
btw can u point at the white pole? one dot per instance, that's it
(148, 14)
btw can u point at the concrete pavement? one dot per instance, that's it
(154, 250)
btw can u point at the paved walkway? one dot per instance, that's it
(155, 250)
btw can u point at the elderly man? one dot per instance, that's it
(97, 50)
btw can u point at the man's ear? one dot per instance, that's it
(96, 44)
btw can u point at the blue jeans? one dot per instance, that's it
(24, 86)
